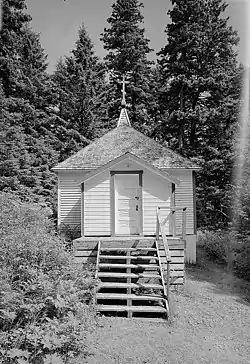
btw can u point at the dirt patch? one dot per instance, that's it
(210, 324)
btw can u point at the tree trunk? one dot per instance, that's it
(193, 134)
(181, 125)
(192, 139)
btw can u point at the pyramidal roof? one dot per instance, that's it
(124, 139)
(123, 119)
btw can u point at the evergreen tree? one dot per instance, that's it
(14, 19)
(27, 144)
(25, 157)
(199, 100)
(80, 84)
(127, 54)
(241, 181)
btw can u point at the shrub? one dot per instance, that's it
(242, 262)
(45, 299)
(69, 233)
(217, 244)
(224, 247)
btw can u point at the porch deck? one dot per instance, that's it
(121, 238)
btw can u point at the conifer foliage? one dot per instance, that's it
(14, 20)
(190, 101)
(80, 85)
(26, 144)
(128, 49)
(199, 99)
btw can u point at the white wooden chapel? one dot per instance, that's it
(113, 186)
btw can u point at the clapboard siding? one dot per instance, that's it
(69, 198)
(97, 211)
(96, 208)
(155, 192)
(184, 198)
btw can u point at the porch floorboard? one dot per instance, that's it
(121, 238)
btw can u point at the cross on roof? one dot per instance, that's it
(123, 90)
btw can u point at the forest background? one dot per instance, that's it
(192, 98)
(189, 99)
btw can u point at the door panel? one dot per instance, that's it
(127, 204)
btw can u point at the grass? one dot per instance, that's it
(210, 324)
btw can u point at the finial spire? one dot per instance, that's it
(123, 119)
(123, 91)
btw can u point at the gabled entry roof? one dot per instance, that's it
(132, 158)
(124, 139)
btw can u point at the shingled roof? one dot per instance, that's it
(119, 141)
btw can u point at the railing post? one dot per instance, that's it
(97, 259)
(160, 227)
(157, 234)
(168, 285)
(184, 223)
(173, 223)
(129, 300)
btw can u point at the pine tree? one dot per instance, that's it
(127, 54)
(80, 83)
(199, 100)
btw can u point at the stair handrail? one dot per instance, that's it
(97, 258)
(165, 292)
(173, 210)
(159, 227)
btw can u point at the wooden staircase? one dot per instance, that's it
(135, 273)
(131, 281)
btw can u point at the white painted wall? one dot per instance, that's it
(191, 249)
(184, 198)
(156, 192)
(97, 201)
(69, 198)
(97, 213)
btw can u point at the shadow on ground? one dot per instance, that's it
(223, 282)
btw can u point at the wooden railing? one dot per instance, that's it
(171, 217)
(160, 229)
(160, 223)
(165, 291)
(97, 258)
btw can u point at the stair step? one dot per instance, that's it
(149, 319)
(129, 249)
(122, 266)
(127, 275)
(129, 285)
(124, 296)
(142, 257)
(156, 309)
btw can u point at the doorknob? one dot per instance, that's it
(136, 197)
